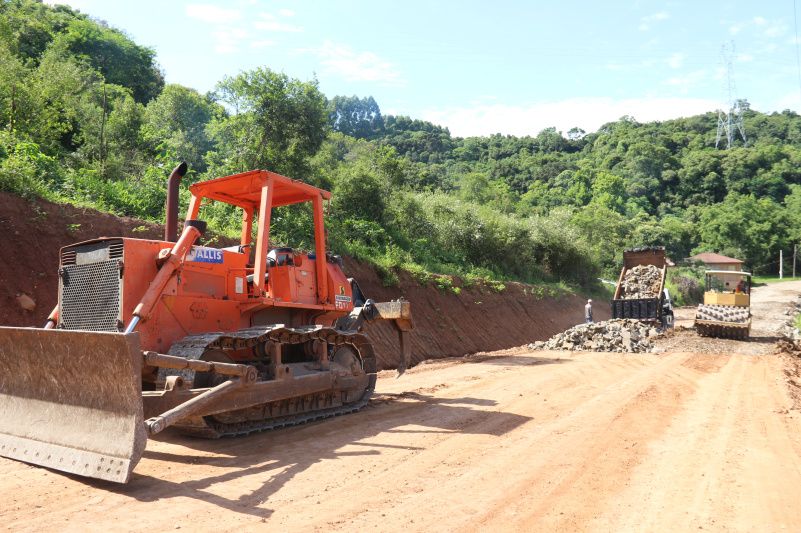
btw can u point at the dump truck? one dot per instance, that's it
(726, 311)
(151, 334)
(655, 304)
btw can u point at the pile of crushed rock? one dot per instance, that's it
(641, 281)
(619, 335)
(787, 329)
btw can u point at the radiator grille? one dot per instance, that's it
(90, 296)
(112, 250)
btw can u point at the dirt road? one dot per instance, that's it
(540, 441)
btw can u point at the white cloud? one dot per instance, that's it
(775, 29)
(645, 22)
(212, 14)
(745, 58)
(763, 26)
(675, 60)
(342, 60)
(227, 40)
(789, 100)
(286, 12)
(687, 81)
(269, 22)
(588, 114)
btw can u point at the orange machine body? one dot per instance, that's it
(233, 288)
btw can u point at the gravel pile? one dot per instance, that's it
(621, 335)
(641, 281)
(788, 330)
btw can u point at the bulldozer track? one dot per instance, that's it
(194, 346)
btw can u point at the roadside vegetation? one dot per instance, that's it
(686, 285)
(87, 118)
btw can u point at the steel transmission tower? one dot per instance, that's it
(730, 122)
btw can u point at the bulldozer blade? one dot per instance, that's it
(72, 401)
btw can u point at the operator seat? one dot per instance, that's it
(275, 257)
(281, 257)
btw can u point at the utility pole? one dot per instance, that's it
(781, 264)
(795, 250)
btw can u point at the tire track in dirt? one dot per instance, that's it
(727, 459)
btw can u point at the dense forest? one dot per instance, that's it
(86, 117)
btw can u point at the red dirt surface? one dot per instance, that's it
(446, 324)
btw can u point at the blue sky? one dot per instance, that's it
(482, 67)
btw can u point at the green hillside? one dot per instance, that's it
(86, 118)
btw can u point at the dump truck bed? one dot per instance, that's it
(640, 308)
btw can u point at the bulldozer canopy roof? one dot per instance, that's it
(244, 190)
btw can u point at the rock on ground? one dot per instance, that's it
(787, 329)
(620, 335)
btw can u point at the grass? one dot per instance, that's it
(602, 292)
(762, 280)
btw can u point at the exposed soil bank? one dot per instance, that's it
(478, 319)
(446, 324)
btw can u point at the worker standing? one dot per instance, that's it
(588, 312)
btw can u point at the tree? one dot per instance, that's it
(109, 134)
(63, 92)
(606, 231)
(357, 117)
(28, 27)
(609, 191)
(175, 124)
(15, 98)
(550, 140)
(115, 56)
(360, 194)
(576, 134)
(745, 227)
(276, 123)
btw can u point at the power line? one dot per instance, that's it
(730, 122)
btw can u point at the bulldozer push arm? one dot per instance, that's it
(399, 312)
(171, 261)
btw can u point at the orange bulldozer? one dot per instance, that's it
(149, 334)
